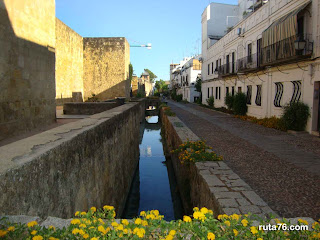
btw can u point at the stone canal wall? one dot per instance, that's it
(86, 163)
(209, 184)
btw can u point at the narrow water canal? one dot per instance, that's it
(154, 185)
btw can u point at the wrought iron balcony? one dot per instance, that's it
(227, 69)
(248, 63)
(290, 49)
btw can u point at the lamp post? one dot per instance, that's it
(148, 46)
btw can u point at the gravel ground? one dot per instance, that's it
(291, 188)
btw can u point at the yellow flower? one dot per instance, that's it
(52, 227)
(93, 209)
(83, 213)
(187, 219)
(169, 237)
(138, 221)
(102, 230)
(34, 232)
(53, 238)
(3, 233)
(81, 232)
(303, 221)
(244, 222)
(75, 221)
(199, 216)
(119, 227)
(77, 213)
(114, 224)
(85, 236)
(259, 238)
(144, 223)
(101, 221)
(142, 213)
(254, 230)
(204, 210)
(227, 223)
(125, 222)
(31, 224)
(195, 209)
(106, 207)
(172, 232)
(314, 225)
(211, 212)
(211, 236)
(235, 216)
(94, 238)
(37, 237)
(11, 229)
(235, 232)
(82, 225)
(75, 231)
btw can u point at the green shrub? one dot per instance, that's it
(295, 116)
(210, 101)
(179, 98)
(228, 100)
(139, 95)
(240, 104)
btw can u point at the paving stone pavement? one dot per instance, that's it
(284, 169)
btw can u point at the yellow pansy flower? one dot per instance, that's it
(211, 236)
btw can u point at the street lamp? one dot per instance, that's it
(148, 46)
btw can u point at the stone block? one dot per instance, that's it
(23, 219)
(56, 222)
(230, 211)
(228, 203)
(243, 202)
(213, 181)
(254, 198)
(227, 195)
(250, 209)
(218, 189)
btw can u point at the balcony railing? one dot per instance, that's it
(285, 50)
(248, 63)
(227, 69)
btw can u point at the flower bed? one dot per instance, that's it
(272, 122)
(100, 224)
(196, 151)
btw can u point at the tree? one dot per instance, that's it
(198, 84)
(161, 86)
(130, 72)
(151, 74)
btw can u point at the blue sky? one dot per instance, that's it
(172, 26)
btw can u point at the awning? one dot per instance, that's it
(283, 28)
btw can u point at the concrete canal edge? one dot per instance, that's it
(90, 162)
(210, 184)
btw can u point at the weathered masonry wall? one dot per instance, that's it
(69, 64)
(86, 163)
(209, 184)
(27, 65)
(106, 67)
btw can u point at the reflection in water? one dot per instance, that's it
(151, 188)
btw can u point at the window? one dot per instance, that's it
(217, 65)
(249, 53)
(212, 91)
(232, 91)
(227, 90)
(219, 92)
(212, 68)
(208, 69)
(216, 92)
(208, 93)
(296, 91)
(227, 64)
(233, 63)
(187, 81)
(278, 95)
(249, 94)
(259, 52)
(239, 89)
(258, 97)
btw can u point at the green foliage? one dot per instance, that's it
(228, 100)
(130, 72)
(161, 86)
(296, 115)
(151, 74)
(240, 104)
(163, 105)
(167, 111)
(198, 84)
(196, 151)
(94, 98)
(210, 101)
(179, 98)
(272, 122)
(140, 94)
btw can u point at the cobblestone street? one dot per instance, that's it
(283, 168)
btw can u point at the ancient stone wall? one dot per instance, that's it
(106, 67)
(86, 163)
(27, 65)
(69, 64)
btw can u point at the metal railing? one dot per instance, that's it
(247, 63)
(227, 69)
(285, 50)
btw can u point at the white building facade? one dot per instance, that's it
(272, 55)
(184, 77)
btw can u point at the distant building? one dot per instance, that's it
(184, 77)
(145, 87)
(271, 54)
